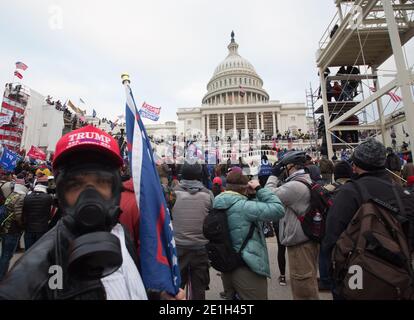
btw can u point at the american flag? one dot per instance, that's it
(18, 74)
(157, 251)
(21, 66)
(394, 97)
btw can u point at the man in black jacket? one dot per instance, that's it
(36, 214)
(369, 165)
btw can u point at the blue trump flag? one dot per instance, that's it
(157, 251)
(9, 160)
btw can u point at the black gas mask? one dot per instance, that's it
(95, 252)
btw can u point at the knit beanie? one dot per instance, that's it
(370, 155)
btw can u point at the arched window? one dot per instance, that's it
(229, 82)
(245, 81)
(221, 83)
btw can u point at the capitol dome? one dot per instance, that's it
(235, 81)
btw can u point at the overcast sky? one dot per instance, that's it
(170, 48)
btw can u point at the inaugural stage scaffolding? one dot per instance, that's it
(364, 34)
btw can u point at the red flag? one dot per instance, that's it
(36, 153)
(18, 74)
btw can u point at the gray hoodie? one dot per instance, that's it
(296, 198)
(192, 205)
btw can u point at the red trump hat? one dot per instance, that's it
(89, 140)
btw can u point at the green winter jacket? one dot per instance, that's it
(241, 213)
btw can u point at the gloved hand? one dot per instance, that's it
(277, 170)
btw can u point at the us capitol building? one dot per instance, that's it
(236, 100)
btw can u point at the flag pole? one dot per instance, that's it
(125, 79)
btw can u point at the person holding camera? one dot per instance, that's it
(295, 196)
(249, 281)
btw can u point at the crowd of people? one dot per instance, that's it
(276, 197)
(70, 211)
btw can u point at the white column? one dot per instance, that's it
(234, 123)
(218, 121)
(203, 125)
(403, 75)
(279, 124)
(245, 121)
(257, 121)
(274, 123)
(208, 126)
(232, 100)
(262, 118)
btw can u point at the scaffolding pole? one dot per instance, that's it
(326, 113)
(403, 75)
(380, 107)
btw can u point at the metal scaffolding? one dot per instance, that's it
(364, 34)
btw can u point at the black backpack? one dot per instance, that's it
(220, 250)
(314, 220)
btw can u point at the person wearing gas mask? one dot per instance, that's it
(88, 254)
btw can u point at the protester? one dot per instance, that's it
(192, 205)
(37, 208)
(337, 91)
(12, 225)
(342, 174)
(95, 253)
(327, 169)
(248, 282)
(393, 163)
(217, 186)
(129, 211)
(369, 161)
(295, 196)
(408, 169)
(410, 183)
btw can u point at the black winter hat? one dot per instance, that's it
(342, 169)
(370, 155)
(191, 171)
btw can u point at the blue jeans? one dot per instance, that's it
(324, 269)
(9, 244)
(30, 238)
